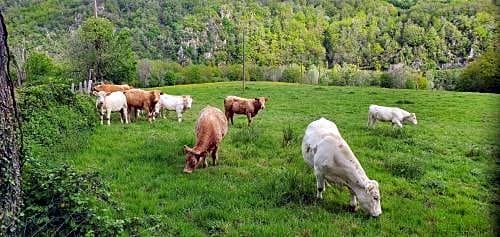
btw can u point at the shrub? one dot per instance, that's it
(232, 72)
(63, 201)
(52, 112)
(292, 74)
(443, 79)
(386, 80)
(39, 66)
(312, 75)
(482, 75)
(256, 73)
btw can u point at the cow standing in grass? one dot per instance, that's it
(211, 127)
(394, 115)
(249, 107)
(138, 99)
(330, 156)
(179, 104)
(109, 102)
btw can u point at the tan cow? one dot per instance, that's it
(111, 87)
(138, 99)
(249, 107)
(211, 127)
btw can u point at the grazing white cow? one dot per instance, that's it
(175, 103)
(111, 101)
(328, 154)
(394, 115)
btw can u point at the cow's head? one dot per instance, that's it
(188, 101)
(101, 95)
(261, 101)
(369, 198)
(412, 118)
(193, 159)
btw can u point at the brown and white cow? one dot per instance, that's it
(138, 99)
(111, 87)
(249, 107)
(211, 127)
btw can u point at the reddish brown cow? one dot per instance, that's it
(249, 107)
(140, 99)
(210, 129)
(111, 87)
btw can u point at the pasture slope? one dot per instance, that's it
(436, 178)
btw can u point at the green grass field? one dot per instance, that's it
(436, 178)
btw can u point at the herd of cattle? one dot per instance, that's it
(323, 148)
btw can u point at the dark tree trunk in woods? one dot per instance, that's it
(10, 152)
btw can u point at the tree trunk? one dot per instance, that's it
(10, 153)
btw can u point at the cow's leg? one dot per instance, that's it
(249, 117)
(353, 203)
(320, 184)
(121, 115)
(203, 162)
(215, 155)
(102, 118)
(371, 120)
(179, 115)
(125, 114)
(108, 116)
(397, 123)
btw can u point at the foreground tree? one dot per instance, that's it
(10, 155)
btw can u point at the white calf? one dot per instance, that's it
(178, 104)
(332, 160)
(114, 101)
(394, 115)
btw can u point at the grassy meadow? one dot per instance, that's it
(436, 178)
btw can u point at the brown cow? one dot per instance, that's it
(249, 107)
(210, 129)
(111, 87)
(143, 100)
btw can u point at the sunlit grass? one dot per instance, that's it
(436, 178)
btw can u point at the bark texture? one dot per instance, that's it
(10, 151)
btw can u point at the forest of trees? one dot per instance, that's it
(365, 34)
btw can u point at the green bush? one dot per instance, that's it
(443, 79)
(482, 75)
(51, 112)
(62, 201)
(292, 74)
(232, 72)
(256, 73)
(39, 67)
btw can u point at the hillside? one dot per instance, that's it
(436, 178)
(425, 34)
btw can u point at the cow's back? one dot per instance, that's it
(316, 131)
(211, 124)
(115, 101)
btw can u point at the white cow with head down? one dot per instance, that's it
(175, 103)
(394, 115)
(328, 154)
(111, 101)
